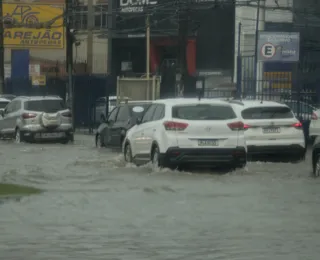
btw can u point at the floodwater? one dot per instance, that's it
(97, 207)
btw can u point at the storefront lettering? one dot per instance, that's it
(30, 35)
(125, 3)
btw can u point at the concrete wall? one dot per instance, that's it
(247, 17)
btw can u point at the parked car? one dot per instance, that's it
(100, 107)
(112, 131)
(37, 118)
(271, 129)
(315, 124)
(316, 157)
(187, 132)
(3, 103)
(8, 96)
(304, 112)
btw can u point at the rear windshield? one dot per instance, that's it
(3, 104)
(134, 108)
(47, 106)
(267, 113)
(203, 112)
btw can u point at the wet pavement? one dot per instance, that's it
(97, 207)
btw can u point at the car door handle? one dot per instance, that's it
(142, 133)
(154, 130)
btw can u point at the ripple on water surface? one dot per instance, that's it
(98, 207)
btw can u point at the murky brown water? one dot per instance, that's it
(96, 207)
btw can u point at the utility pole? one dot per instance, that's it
(1, 51)
(90, 36)
(69, 59)
(183, 37)
(148, 53)
(109, 57)
(259, 26)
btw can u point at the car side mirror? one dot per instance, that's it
(138, 120)
(2, 113)
(110, 121)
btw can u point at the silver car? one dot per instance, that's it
(3, 103)
(37, 118)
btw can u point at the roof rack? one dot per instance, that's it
(238, 102)
(52, 96)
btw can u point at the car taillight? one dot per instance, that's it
(67, 114)
(236, 126)
(246, 127)
(175, 126)
(28, 115)
(297, 125)
(314, 116)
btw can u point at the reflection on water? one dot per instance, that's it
(97, 207)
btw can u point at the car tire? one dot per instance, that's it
(155, 158)
(316, 166)
(128, 153)
(99, 143)
(17, 136)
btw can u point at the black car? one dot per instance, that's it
(112, 131)
(316, 157)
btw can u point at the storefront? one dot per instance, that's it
(209, 45)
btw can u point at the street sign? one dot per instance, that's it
(278, 46)
(268, 50)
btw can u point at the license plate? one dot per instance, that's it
(208, 142)
(271, 130)
(52, 135)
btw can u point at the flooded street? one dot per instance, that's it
(97, 207)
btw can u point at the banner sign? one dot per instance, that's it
(278, 46)
(24, 26)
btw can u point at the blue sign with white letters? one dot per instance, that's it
(278, 46)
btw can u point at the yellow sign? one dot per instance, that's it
(38, 80)
(278, 80)
(33, 26)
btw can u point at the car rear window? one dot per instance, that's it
(267, 113)
(3, 104)
(47, 106)
(203, 112)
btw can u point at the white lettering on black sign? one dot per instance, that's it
(135, 6)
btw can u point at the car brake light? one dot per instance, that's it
(236, 126)
(67, 114)
(297, 125)
(175, 126)
(246, 127)
(28, 115)
(314, 116)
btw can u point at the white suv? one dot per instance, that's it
(183, 132)
(271, 129)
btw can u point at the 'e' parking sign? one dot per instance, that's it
(278, 46)
(268, 50)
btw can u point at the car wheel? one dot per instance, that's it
(155, 158)
(316, 167)
(128, 153)
(99, 143)
(17, 137)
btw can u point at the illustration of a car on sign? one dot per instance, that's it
(22, 14)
